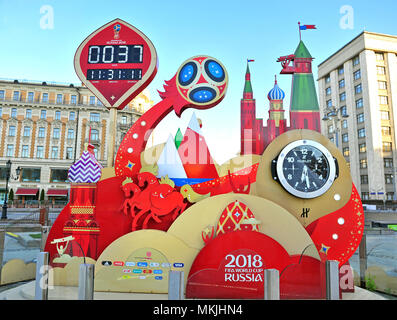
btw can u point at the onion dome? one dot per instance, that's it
(276, 93)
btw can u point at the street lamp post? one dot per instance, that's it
(8, 171)
(334, 114)
(8, 176)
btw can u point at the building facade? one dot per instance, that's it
(43, 130)
(358, 88)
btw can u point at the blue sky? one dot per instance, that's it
(230, 31)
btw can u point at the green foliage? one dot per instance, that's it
(42, 195)
(370, 283)
(11, 195)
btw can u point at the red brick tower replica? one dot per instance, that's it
(304, 109)
(248, 108)
(276, 124)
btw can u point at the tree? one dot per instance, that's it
(11, 195)
(42, 195)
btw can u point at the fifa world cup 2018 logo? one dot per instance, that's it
(116, 29)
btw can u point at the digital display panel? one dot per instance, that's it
(115, 54)
(114, 74)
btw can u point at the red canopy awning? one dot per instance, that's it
(26, 192)
(57, 192)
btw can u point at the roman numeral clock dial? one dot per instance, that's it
(305, 168)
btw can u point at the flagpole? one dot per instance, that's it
(300, 35)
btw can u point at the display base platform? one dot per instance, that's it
(26, 292)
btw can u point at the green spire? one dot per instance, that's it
(304, 96)
(178, 138)
(301, 51)
(247, 86)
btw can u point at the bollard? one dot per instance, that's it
(86, 282)
(41, 286)
(45, 230)
(176, 285)
(332, 279)
(271, 284)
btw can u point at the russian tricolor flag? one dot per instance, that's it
(307, 26)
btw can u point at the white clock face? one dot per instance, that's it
(306, 169)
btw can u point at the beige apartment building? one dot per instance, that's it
(358, 104)
(43, 129)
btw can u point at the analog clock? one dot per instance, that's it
(305, 168)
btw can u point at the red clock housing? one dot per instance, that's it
(116, 62)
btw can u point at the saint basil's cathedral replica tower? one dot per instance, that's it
(304, 108)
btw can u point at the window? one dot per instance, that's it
(364, 179)
(344, 124)
(13, 112)
(359, 103)
(16, 96)
(329, 103)
(57, 115)
(72, 116)
(94, 116)
(26, 131)
(386, 146)
(10, 150)
(356, 61)
(362, 147)
(328, 91)
(41, 132)
(1, 111)
(44, 97)
(30, 175)
(11, 131)
(379, 56)
(390, 195)
(70, 133)
(2, 94)
(382, 85)
(69, 153)
(346, 151)
(328, 79)
(99, 103)
(380, 70)
(342, 97)
(341, 83)
(25, 151)
(365, 195)
(55, 133)
(363, 163)
(388, 178)
(54, 153)
(43, 114)
(29, 113)
(40, 152)
(358, 88)
(361, 133)
(30, 96)
(386, 131)
(343, 111)
(92, 100)
(124, 120)
(60, 98)
(383, 100)
(59, 175)
(345, 137)
(388, 162)
(357, 75)
(330, 129)
(73, 99)
(341, 70)
(384, 115)
(94, 135)
(360, 118)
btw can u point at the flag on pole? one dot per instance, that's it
(307, 26)
(250, 60)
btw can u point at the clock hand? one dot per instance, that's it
(303, 173)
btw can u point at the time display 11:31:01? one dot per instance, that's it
(115, 54)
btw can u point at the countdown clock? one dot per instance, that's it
(305, 168)
(116, 62)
